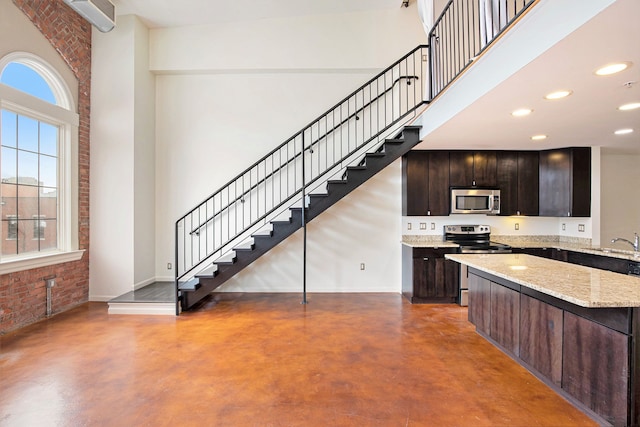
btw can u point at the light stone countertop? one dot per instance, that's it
(576, 244)
(582, 286)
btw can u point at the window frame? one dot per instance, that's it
(63, 116)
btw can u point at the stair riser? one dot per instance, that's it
(318, 204)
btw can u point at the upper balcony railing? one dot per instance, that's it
(462, 32)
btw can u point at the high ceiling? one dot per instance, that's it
(172, 13)
(588, 117)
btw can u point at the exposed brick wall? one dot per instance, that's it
(23, 294)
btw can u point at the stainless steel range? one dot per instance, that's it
(472, 239)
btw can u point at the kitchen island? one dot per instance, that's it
(574, 327)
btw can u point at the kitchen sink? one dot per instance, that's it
(614, 251)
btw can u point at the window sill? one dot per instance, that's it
(39, 260)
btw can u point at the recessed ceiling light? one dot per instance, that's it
(612, 68)
(631, 106)
(521, 112)
(558, 94)
(623, 131)
(538, 137)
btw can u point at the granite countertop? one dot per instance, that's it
(583, 286)
(575, 244)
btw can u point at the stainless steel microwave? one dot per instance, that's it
(475, 201)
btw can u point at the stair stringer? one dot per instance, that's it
(372, 163)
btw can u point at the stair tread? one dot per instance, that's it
(226, 259)
(189, 285)
(210, 271)
(245, 246)
(262, 233)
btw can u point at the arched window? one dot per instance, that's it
(38, 128)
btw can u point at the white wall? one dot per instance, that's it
(227, 95)
(364, 227)
(501, 225)
(122, 162)
(620, 208)
(144, 160)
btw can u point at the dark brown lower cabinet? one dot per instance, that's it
(541, 337)
(428, 277)
(505, 317)
(480, 303)
(595, 367)
(590, 355)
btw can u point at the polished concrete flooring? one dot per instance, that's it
(267, 360)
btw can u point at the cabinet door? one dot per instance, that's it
(616, 265)
(484, 168)
(528, 183)
(555, 183)
(595, 367)
(507, 181)
(479, 303)
(541, 337)
(565, 182)
(581, 181)
(461, 168)
(415, 183)
(540, 252)
(439, 203)
(505, 317)
(447, 280)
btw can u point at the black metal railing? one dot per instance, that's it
(462, 32)
(343, 134)
(324, 147)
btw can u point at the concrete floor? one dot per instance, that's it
(267, 360)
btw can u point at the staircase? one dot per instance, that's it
(242, 255)
(330, 157)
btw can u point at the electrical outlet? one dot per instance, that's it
(169, 266)
(581, 227)
(433, 225)
(564, 227)
(362, 266)
(517, 226)
(408, 226)
(423, 226)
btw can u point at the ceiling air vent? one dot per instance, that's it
(100, 13)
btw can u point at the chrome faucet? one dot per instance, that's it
(635, 243)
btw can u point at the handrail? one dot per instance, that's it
(379, 100)
(345, 99)
(309, 147)
(462, 32)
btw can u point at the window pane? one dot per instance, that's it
(48, 139)
(48, 171)
(8, 126)
(9, 200)
(8, 164)
(25, 237)
(9, 236)
(49, 205)
(49, 238)
(27, 201)
(27, 168)
(27, 80)
(27, 134)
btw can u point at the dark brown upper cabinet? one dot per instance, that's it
(518, 181)
(565, 182)
(425, 183)
(472, 168)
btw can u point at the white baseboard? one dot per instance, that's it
(144, 283)
(165, 309)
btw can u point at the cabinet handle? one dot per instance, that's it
(429, 213)
(517, 212)
(568, 213)
(425, 259)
